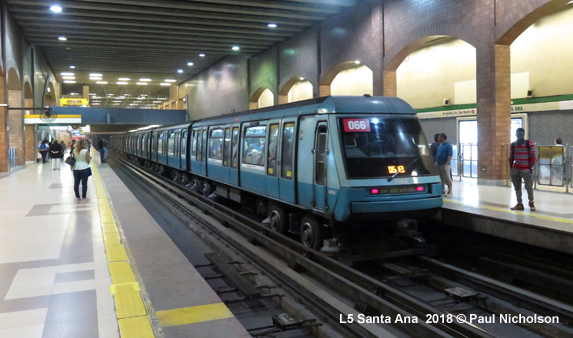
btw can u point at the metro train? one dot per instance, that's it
(311, 167)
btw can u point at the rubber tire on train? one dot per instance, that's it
(311, 233)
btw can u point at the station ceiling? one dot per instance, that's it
(154, 39)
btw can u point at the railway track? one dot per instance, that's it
(320, 282)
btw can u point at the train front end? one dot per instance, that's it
(386, 170)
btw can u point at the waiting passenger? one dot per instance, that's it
(81, 168)
(522, 157)
(443, 161)
(434, 147)
(43, 148)
(56, 153)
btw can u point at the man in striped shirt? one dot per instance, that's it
(522, 158)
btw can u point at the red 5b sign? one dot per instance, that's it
(356, 125)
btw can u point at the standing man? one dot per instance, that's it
(100, 149)
(434, 146)
(444, 162)
(522, 159)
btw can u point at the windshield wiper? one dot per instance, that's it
(405, 167)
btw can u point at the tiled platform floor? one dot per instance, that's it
(54, 279)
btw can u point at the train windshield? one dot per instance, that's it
(385, 147)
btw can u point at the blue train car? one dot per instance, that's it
(310, 166)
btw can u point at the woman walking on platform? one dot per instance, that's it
(56, 153)
(81, 168)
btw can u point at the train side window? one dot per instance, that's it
(320, 155)
(227, 147)
(216, 144)
(287, 151)
(199, 144)
(254, 145)
(171, 144)
(183, 146)
(160, 144)
(272, 152)
(143, 145)
(235, 147)
(194, 145)
(204, 145)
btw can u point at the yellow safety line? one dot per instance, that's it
(514, 212)
(131, 312)
(194, 314)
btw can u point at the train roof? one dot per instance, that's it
(333, 105)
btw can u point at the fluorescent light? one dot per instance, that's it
(357, 62)
(202, 55)
(93, 94)
(143, 95)
(62, 38)
(124, 79)
(144, 80)
(109, 94)
(56, 9)
(122, 83)
(180, 71)
(156, 101)
(165, 84)
(142, 83)
(95, 78)
(95, 104)
(170, 80)
(101, 82)
(126, 94)
(236, 48)
(73, 67)
(162, 98)
(189, 63)
(96, 75)
(69, 81)
(68, 77)
(302, 79)
(67, 74)
(272, 25)
(117, 101)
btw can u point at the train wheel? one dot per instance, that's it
(185, 179)
(196, 185)
(208, 188)
(278, 219)
(311, 233)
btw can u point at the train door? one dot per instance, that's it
(226, 147)
(319, 169)
(183, 150)
(215, 154)
(286, 161)
(272, 152)
(234, 160)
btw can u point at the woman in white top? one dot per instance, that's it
(81, 168)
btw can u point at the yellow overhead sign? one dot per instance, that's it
(74, 102)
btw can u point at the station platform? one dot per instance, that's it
(96, 267)
(486, 209)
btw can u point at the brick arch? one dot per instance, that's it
(254, 100)
(529, 12)
(28, 92)
(324, 85)
(13, 80)
(283, 92)
(418, 37)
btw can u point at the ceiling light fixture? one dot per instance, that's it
(69, 81)
(96, 75)
(62, 38)
(236, 48)
(56, 9)
(124, 79)
(202, 55)
(68, 77)
(357, 62)
(67, 74)
(142, 83)
(180, 71)
(302, 78)
(272, 25)
(122, 83)
(101, 82)
(73, 67)
(165, 84)
(144, 80)
(170, 80)
(189, 63)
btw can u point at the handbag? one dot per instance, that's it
(71, 160)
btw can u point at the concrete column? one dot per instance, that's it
(173, 94)
(86, 92)
(390, 83)
(16, 123)
(493, 112)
